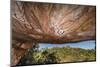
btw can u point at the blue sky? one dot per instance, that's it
(84, 44)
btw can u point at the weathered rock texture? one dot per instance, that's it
(50, 23)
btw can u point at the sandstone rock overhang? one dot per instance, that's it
(53, 23)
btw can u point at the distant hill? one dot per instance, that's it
(59, 55)
(69, 54)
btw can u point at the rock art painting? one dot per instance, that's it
(64, 27)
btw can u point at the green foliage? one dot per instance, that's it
(58, 55)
